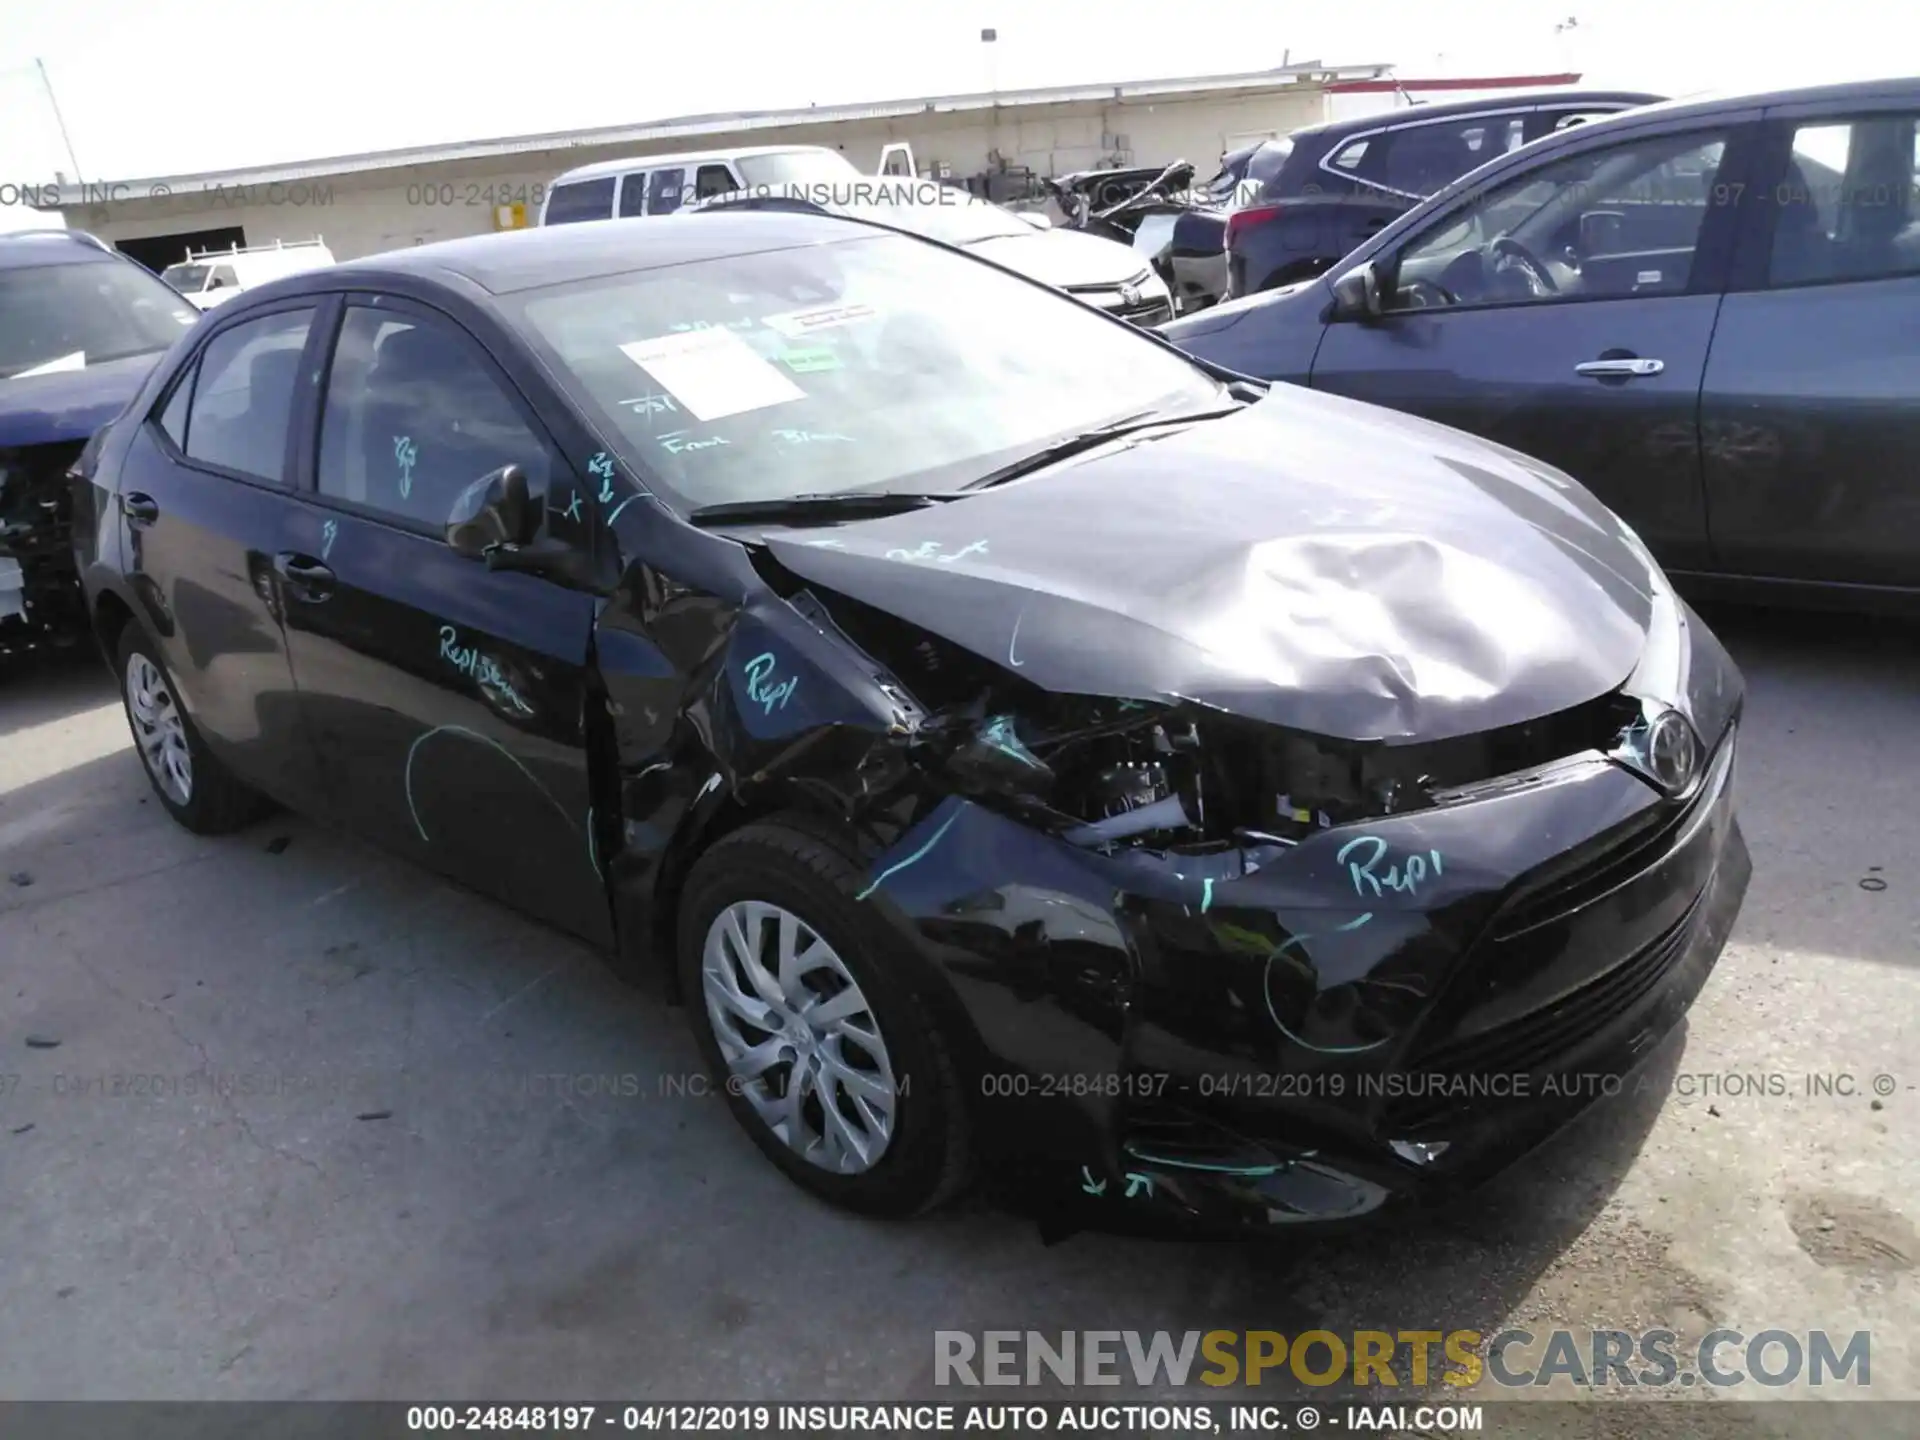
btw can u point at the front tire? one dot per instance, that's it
(829, 1057)
(196, 789)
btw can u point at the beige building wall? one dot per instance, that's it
(361, 214)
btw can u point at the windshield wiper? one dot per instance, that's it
(813, 509)
(1089, 440)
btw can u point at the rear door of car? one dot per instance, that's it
(1810, 414)
(1602, 381)
(448, 701)
(205, 493)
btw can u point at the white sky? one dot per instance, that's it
(197, 85)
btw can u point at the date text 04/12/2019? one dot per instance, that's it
(898, 1419)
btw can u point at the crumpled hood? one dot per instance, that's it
(1311, 562)
(1063, 257)
(68, 404)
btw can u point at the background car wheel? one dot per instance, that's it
(830, 1059)
(197, 789)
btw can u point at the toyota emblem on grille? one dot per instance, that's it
(1129, 294)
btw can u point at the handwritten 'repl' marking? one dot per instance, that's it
(329, 532)
(1402, 877)
(469, 661)
(770, 697)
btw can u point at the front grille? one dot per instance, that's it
(1529, 1045)
(1587, 873)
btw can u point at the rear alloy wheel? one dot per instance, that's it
(197, 789)
(806, 1010)
(160, 730)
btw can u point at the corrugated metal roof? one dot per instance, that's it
(692, 126)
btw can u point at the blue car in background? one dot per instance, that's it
(80, 328)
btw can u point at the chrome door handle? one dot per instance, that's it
(1620, 367)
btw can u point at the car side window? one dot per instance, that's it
(173, 418)
(413, 415)
(1422, 159)
(581, 200)
(633, 194)
(223, 278)
(666, 190)
(1601, 224)
(713, 180)
(1848, 206)
(242, 406)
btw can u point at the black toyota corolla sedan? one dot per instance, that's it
(1012, 741)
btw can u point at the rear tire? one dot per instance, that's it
(196, 789)
(838, 1022)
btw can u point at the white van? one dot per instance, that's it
(215, 275)
(661, 184)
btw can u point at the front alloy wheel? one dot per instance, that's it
(159, 730)
(800, 1040)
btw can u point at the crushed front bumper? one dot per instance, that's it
(41, 603)
(1302, 1044)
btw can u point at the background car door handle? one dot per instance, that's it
(306, 577)
(1634, 366)
(140, 509)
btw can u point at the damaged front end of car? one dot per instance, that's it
(40, 599)
(1205, 968)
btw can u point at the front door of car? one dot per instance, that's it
(1810, 415)
(206, 504)
(447, 701)
(1566, 310)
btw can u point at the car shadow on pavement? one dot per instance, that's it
(1464, 1265)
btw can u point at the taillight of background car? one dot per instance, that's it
(1241, 221)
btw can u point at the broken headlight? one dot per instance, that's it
(1101, 771)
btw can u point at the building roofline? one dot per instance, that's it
(1314, 74)
(1481, 82)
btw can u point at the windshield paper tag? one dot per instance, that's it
(796, 323)
(714, 373)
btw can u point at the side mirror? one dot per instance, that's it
(1602, 231)
(1039, 219)
(495, 510)
(1356, 294)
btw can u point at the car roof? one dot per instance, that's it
(600, 169)
(1511, 100)
(1714, 102)
(20, 249)
(514, 260)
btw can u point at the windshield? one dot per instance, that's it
(74, 315)
(795, 167)
(186, 277)
(872, 363)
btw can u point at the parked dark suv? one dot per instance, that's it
(80, 327)
(1708, 312)
(1324, 190)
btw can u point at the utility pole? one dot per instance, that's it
(59, 120)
